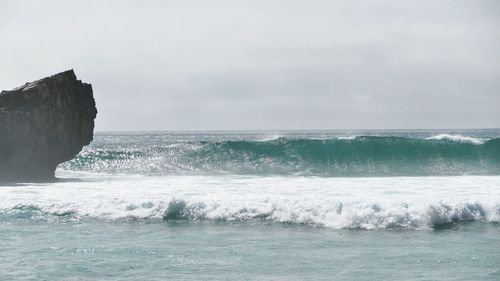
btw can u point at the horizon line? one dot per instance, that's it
(291, 130)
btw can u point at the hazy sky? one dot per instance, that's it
(200, 65)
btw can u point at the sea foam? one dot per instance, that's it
(457, 138)
(370, 203)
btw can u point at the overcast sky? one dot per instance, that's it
(201, 65)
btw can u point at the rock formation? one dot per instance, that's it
(42, 124)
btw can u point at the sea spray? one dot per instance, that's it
(333, 157)
(337, 203)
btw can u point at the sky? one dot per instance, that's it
(265, 64)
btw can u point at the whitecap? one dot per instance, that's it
(456, 138)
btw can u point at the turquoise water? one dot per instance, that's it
(244, 251)
(341, 205)
(337, 154)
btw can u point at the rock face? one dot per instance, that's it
(42, 124)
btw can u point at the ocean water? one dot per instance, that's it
(246, 205)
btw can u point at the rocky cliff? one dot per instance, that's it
(42, 124)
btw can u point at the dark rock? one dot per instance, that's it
(42, 124)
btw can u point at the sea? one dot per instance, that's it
(262, 205)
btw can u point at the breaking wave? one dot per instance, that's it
(457, 138)
(354, 156)
(338, 203)
(341, 215)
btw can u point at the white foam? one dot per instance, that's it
(457, 138)
(270, 137)
(368, 203)
(348, 137)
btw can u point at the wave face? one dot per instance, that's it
(330, 157)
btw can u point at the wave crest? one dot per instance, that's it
(457, 138)
(359, 156)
